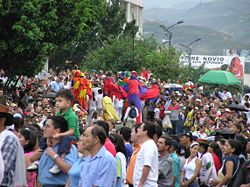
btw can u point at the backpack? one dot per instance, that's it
(132, 112)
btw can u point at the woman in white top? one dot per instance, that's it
(121, 159)
(192, 166)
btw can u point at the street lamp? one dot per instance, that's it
(189, 49)
(168, 32)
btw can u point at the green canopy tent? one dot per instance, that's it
(219, 77)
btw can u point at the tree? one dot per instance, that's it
(107, 24)
(118, 55)
(32, 30)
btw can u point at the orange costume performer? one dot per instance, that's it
(81, 88)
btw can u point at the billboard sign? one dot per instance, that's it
(233, 64)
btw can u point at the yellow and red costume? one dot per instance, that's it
(81, 88)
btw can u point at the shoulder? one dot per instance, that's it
(11, 139)
(148, 145)
(108, 158)
(198, 160)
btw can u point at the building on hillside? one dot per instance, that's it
(134, 11)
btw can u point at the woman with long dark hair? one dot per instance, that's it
(216, 152)
(231, 163)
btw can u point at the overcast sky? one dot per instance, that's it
(168, 3)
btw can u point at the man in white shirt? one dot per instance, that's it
(201, 132)
(146, 165)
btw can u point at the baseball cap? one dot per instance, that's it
(175, 144)
(188, 134)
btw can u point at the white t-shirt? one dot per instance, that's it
(123, 164)
(148, 155)
(199, 135)
(99, 98)
(157, 113)
(208, 170)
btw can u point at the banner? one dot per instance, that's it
(234, 64)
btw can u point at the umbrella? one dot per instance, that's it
(219, 77)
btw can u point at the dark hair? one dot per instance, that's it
(205, 146)
(236, 145)
(222, 141)
(112, 122)
(104, 125)
(137, 126)
(119, 144)
(59, 123)
(29, 135)
(132, 103)
(100, 91)
(238, 126)
(150, 128)
(126, 133)
(168, 140)
(158, 130)
(243, 141)
(66, 94)
(216, 149)
(98, 131)
(18, 123)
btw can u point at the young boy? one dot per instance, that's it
(64, 102)
(64, 99)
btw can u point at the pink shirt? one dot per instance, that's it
(110, 146)
(31, 182)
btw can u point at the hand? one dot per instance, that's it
(49, 142)
(50, 152)
(56, 136)
(214, 183)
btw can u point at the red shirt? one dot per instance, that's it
(133, 86)
(110, 146)
(216, 162)
(174, 107)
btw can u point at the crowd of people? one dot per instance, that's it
(88, 129)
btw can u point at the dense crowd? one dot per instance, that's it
(76, 128)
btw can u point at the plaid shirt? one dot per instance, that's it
(9, 153)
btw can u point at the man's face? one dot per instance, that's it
(49, 129)
(141, 132)
(161, 145)
(133, 136)
(183, 139)
(88, 141)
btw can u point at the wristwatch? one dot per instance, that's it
(55, 156)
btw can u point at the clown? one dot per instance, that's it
(81, 88)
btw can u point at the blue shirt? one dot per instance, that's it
(46, 162)
(75, 172)
(176, 160)
(129, 150)
(99, 170)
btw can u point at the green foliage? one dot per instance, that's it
(118, 56)
(164, 63)
(106, 24)
(32, 30)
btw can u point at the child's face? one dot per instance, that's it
(62, 103)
